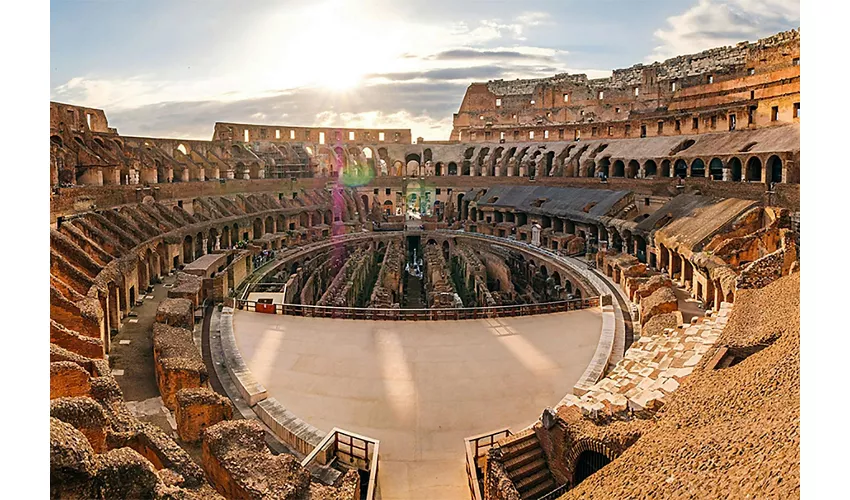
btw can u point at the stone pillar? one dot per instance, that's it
(727, 174)
(218, 242)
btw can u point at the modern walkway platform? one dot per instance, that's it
(418, 387)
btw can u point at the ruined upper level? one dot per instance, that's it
(246, 133)
(747, 85)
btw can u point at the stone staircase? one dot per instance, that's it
(413, 296)
(526, 465)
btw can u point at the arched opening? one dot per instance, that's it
(774, 169)
(550, 159)
(650, 169)
(199, 245)
(665, 168)
(212, 239)
(587, 463)
(603, 168)
(269, 225)
(452, 168)
(55, 139)
(465, 168)
(365, 199)
(225, 237)
(754, 169)
(619, 169)
(187, 250)
(388, 207)
(715, 169)
(632, 170)
(736, 167)
(258, 228)
(680, 169)
(698, 168)
(438, 169)
(182, 149)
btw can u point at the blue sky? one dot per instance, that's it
(173, 68)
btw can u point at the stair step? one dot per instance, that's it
(528, 482)
(519, 447)
(529, 469)
(539, 490)
(526, 458)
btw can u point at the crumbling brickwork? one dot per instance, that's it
(177, 362)
(197, 409)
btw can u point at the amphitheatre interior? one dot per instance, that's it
(584, 280)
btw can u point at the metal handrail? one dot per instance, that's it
(370, 460)
(454, 313)
(473, 456)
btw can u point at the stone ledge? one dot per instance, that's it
(604, 349)
(252, 391)
(290, 429)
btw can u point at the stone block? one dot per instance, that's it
(68, 379)
(197, 409)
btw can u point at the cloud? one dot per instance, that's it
(502, 55)
(714, 23)
(424, 107)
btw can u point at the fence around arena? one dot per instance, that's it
(457, 313)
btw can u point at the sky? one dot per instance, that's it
(173, 68)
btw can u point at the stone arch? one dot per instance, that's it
(464, 168)
(715, 169)
(619, 169)
(212, 237)
(225, 237)
(583, 446)
(632, 169)
(697, 168)
(439, 169)
(735, 168)
(754, 169)
(774, 169)
(199, 245)
(452, 168)
(603, 166)
(680, 169)
(547, 164)
(650, 169)
(258, 228)
(188, 249)
(268, 227)
(588, 169)
(412, 168)
(665, 168)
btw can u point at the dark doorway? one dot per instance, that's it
(588, 463)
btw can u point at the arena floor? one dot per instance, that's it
(419, 387)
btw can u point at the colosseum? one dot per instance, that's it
(590, 289)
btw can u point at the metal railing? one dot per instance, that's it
(351, 450)
(476, 449)
(456, 313)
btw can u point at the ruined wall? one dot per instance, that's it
(715, 82)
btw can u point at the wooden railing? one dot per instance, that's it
(456, 313)
(351, 450)
(476, 450)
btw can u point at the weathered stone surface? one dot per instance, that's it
(86, 415)
(68, 379)
(197, 409)
(176, 312)
(661, 301)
